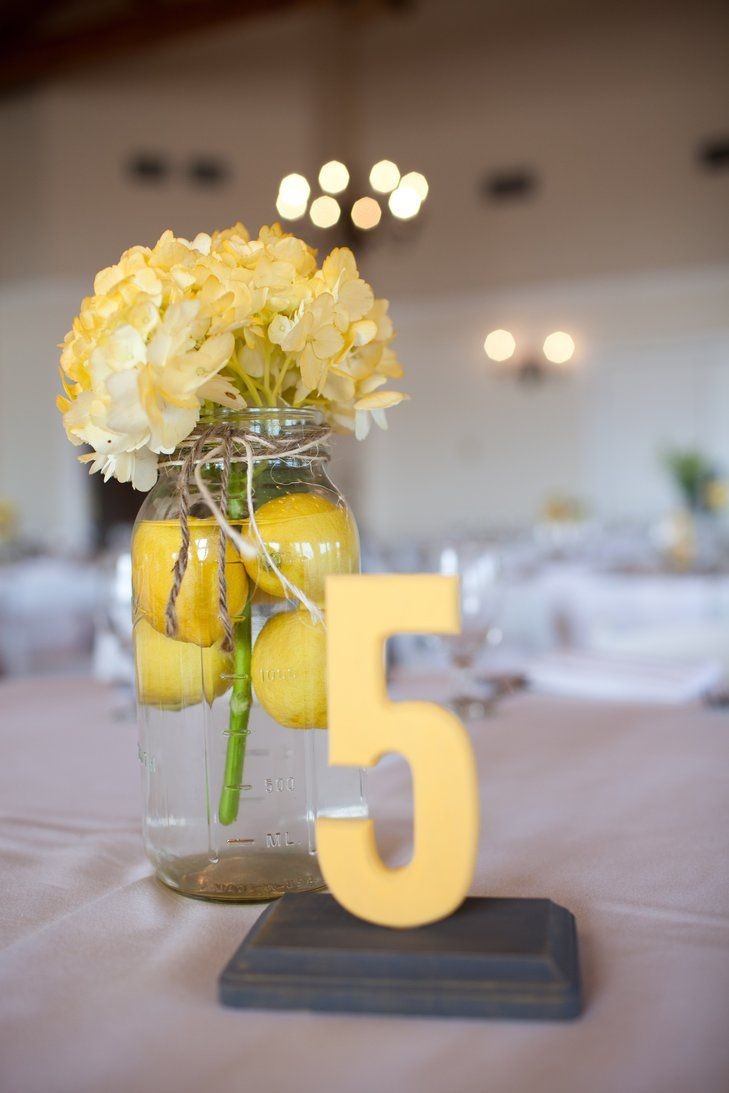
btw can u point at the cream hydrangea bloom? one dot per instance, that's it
(226, 319)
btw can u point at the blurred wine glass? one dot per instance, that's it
(119, 605)
(478, 565)
(113, 653)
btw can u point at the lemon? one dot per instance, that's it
(173, 674)
(308, 537)
(289, 670)
(155, 547)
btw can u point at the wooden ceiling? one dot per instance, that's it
(39, 38)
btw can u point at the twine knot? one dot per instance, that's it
(229, 444)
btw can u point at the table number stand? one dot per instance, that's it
(403, 941)
(510, 958)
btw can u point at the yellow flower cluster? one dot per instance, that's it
(227, 319)
(716, 495)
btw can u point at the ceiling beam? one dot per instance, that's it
(29, 55)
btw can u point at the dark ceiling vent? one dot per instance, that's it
(148, 167)
(208, 171)
(714, 154)
(514, 184)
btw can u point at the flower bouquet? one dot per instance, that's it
(211, 373)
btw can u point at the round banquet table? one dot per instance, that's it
(620, 813)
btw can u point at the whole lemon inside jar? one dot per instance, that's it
(308, 537)
(155, 547)
(174, 674)
(289, 670)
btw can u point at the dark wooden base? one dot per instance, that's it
(514, 958)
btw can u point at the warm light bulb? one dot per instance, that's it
(384, 176)
(558, 347)
(415, 181)
(499, 345)
(404, 202)
(366, 213)
(290, 210)
(324, 212)
(334, 177)
(294, 190)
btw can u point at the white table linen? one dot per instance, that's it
(671, 614)
(48, 608)
(109, 980)
(612, 678)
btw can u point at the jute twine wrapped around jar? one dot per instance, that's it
(227, 444)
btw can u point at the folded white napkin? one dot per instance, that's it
(623, 678)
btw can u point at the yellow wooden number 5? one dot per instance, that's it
(364, 725)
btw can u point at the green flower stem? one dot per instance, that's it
(240, 711)
(251, 388)
(240, 699)
(278, 388)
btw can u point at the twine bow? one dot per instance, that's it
(230, 445)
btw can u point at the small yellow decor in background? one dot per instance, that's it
(364, 725)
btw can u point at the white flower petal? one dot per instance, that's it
(174, 334)
(223, 391)
(362, 423)
(125, 413)
(173, 426)
(380, 400)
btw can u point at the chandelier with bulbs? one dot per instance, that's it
(394, 195)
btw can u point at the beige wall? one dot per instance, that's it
(25, 228)
(39, 473)
(476, 449)
(606, 102)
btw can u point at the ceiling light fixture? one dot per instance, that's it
(366, 213)
(325, 211)
(384, 176)
(406, 194)
(334, 177)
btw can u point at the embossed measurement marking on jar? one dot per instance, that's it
(246, 787)
(280, 785)
(276, 838)
(232, 841)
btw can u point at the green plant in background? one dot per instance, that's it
(696, 479)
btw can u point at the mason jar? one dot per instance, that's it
(232, 734)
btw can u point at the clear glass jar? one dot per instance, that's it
(235, 775)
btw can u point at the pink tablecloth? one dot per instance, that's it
(108, 980)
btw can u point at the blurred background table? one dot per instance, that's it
(618, 812)
(48, 609)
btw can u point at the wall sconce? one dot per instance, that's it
(558, 349)
(393, 195)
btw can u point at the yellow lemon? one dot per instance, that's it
(155, 547)
(289, 670)
(308, 537)
(173, 674)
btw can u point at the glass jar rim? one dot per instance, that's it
(308, 414)
(264, 421)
